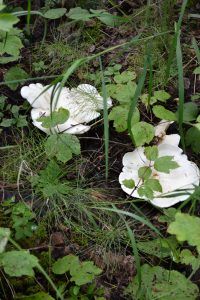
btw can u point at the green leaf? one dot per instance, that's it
(119, 115)
(198, 119)
(187, 258)
(145, 191)
(161, 95)
(159, 283)
(84, 273)
(54, 13)
(145, 99)
(79, 14)
(169, 215)
(18, 263)
(197, 71)
(129, 183)
(122, 92)
(64, 264)
(7, 122)
(57, 117)
(4, 236)
(192, 138)
(15, 73)
(164, 114)
(10, 45)
(142, 133)
(7, 21)
(62, 146)
(125, 77)
(151, 152)
(144, 172)
(110, 20)
(153, 184)
(161, 247)
(37, 296)
(186, 228)
(165, 163)
(190, 112)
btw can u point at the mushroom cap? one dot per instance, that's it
(184, 178)
(82, 102)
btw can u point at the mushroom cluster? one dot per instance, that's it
(177, 186)
(83, 103)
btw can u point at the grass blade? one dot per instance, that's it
(196, 49)
(105, 117)
(181, 90)
(28, 16)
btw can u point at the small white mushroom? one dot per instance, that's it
(83, 103)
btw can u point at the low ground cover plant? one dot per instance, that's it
(100, 170)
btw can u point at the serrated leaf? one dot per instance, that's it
(125, 77)
(57, 117)
(161, 95)
(84, 273)
(145, 191)
(10, 45)
(151, 152)
(169, 215)
(142, 133)
(165, 163)
(186, 228)
(187, 258)
(64, 264)
(62, 146)
(145, 100)
(54, 13)
(15, 73)
(164, 114)
(7, 122)
(7, 21)
(18, 263)
(144, 172)
(4, 236)
(153, 184)
(119, 115)
(192, 138)
(129, 183)
(159, 283)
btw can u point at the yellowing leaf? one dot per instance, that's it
(142, 133)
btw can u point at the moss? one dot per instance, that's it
(92, 34)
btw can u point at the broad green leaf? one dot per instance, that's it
(129, 183)
(18, 263)
(198, 119)
(161, 247)
(62, 146)
(145, 191)
(7, 122)
(7, 21)
(84, 273)
(142, 133)
(165, 164)
(144, 172)
(4, 236)
(190, 111)
(108, 19)
(151, 152)
(169, 215)
(164, 114)
(125, 77)
(56, 118)
(119, 115)
(37, 296)
(15, 73)
(145, 100)
(197, 71)
(186, 228)
(122, 92)
(64, 264)
(79, 14)
(54, 13)
(187, 258)
(153, 184)
(192, 138)
(161, 95)
(159, 283)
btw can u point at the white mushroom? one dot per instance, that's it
(83, 103)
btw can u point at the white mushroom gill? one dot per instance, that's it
(83, 103)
